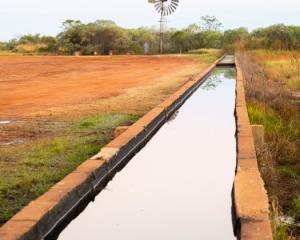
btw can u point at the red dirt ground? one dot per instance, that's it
(32, 84)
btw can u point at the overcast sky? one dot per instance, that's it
(19, 17)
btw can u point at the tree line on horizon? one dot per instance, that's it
(105, 37)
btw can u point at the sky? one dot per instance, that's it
(18, 17)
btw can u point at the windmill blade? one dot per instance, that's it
(159, 10)
(166, 7)
(167, 11)
(157, 6)
(173, 8)
(175, 3)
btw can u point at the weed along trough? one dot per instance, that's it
(186, 170)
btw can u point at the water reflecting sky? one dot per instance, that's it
(179, 185)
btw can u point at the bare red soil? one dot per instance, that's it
(32, 84)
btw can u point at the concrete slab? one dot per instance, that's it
(257, 228)
(228, 60)
(119, 130)
(250, 196)
(246, 148)
(247, 163)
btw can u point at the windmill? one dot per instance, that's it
(164, 8)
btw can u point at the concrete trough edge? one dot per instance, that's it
(225, 64)
(40, 217)
(250, 197)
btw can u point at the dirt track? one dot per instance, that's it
(32, 84)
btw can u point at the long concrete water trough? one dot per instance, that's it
(179, 185)
(183, 171)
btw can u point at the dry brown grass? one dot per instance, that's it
(280, 65)
(271, 103)
(29, 48)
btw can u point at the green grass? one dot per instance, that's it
(266, 117)
(295, 208)
(282, 137)
(104, 121)
(35, 168)
(281, 233)
(29, 170)
(273, 122)
(290, 171)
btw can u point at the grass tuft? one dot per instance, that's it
(104, 121)
(290, 171)
(268, 118)
(282, 233)
(295, 208)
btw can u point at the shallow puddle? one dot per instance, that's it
(179, 185)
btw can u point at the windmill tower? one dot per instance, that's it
(164, 8)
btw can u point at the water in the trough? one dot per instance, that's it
(179, 185)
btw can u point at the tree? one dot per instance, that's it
(211, 39)
(50, 44)
(278, 37)
(210, 23)
(105, 23)
(3, 46)
(30, 39)
(70, 39)
(193, 28)
(180, 40)
(69, 24)
(12, 44)
(235, 38)
(138, 37)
